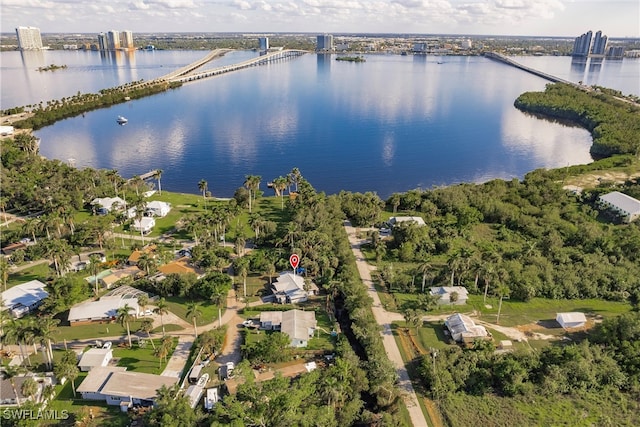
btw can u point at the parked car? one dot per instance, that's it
(230, 367)
(106, 344)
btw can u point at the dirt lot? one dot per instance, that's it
(592, 180)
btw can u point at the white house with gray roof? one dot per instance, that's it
(625, 206)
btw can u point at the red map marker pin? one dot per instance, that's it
(294, 260)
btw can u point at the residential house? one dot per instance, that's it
(105, 205)
(102, 310)
(180, 266)
(464, 330)
(456, 295)
(94, 358)
(291, 288)
(114, 276)
(571, 320)
(8, 396)
(394, 220)
(297, 324)
(12, 247)
(144, 224)
(23, 298)
(158, 208)
(149, 250)
(116, 386)
(625, 206)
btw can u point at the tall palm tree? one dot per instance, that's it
(94, 263)
(124, 316)
(296, 177)
(218, 296)
(193, 312)
(47, 328)
(279, 185)
(241, 266)
(162, 308)
(202, 186)
(157, 174)
(252, 183)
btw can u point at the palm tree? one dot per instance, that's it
(94, 261)
(240, 242)
(123, 316)
(424, 267)
(143, 301)
(279, 185)
(47, 328)
(503, 291)
(162, 308)
(147, 326)
(29, 388)
(218, 296)
(157, 174)
(193, 311)
(202, 186)
(4, 271)
(252, 183)
(242, 269)
(162, 351)
(296, 176)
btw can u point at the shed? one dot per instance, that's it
(95, 357)
(571, 320)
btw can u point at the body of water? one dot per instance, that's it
(390, 124)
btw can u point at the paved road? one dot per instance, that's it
(385, 319)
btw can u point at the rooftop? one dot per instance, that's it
(136, 384)
(26, 294)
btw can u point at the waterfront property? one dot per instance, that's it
(395, 220)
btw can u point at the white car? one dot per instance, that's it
(106, 344)
(230, 368)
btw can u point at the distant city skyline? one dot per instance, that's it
(565, 18)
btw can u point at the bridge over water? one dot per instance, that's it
(498, 57)
(189, 73)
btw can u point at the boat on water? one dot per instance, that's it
(121, 120)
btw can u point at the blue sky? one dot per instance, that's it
(616, 18)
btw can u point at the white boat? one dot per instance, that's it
(121, 120)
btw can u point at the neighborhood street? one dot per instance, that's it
(385, 319)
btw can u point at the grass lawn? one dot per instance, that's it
(142, 359)
(37, 272)
(208, 311)
(167, 328)
(95, 330)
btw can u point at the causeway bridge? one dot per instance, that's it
(189, 73)
(498, 57)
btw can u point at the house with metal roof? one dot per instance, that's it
(102, 310)
(625, 206)
(94, 358)
(464, 330)
(394, 220)
(297, 324)
(291, 288)
(23, 298)
(455, 295)
(116, 386)
(571, 320)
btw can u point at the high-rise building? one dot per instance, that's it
(324, 42)
(29, 38)
(263, 43)
(103, 43)
(113, 40)
(582, 45)
(126, 40)
(599, 47)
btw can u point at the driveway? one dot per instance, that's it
(385, 319)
